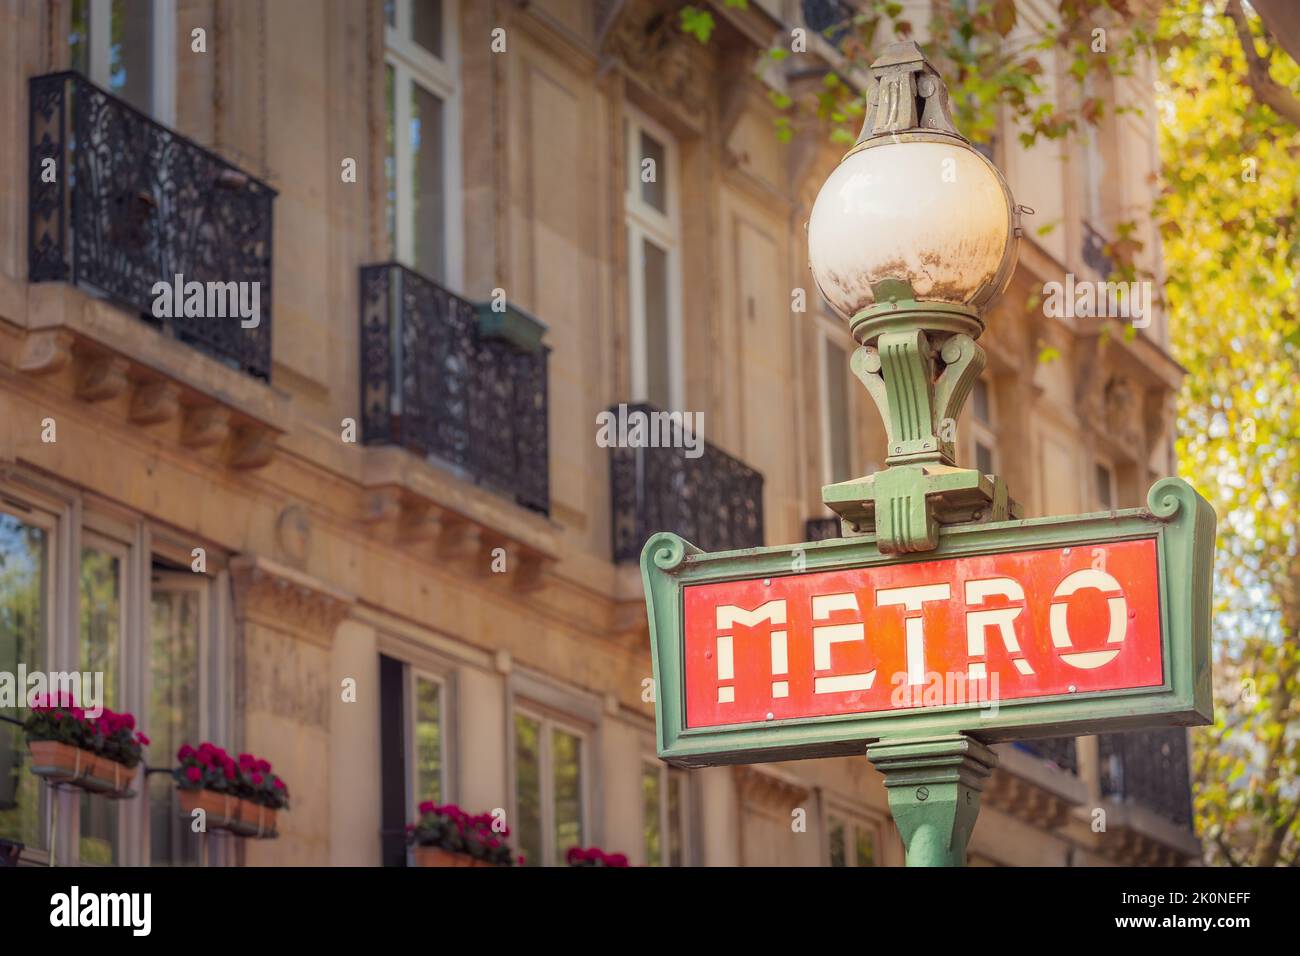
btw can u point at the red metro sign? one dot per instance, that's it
(981, 629)
(1042, 627)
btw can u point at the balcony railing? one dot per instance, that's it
(1148, 767)
(713, 501)
(118, 202)
(1061, 751)
(1094, 251)
(433, 383)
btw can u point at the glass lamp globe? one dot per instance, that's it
(927, 212)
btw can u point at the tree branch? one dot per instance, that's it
(1267, 90)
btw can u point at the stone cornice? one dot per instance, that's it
(276, 596)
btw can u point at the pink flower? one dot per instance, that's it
(246, 761)
(263, 766)
(426, 807)
(142, 739)
(185, 752)
(229, 769)
(278, 784)
(257, 779)
(194, 774)
(618, 859)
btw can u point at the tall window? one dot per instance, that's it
(413, 706)
(26, 556)
(426, 740)
(1105, 477)
(103, 626)
(851, 842)
(421, 165)
(982, 415)
(178, 640)
(654, 280)
(549, 780)
(837, 427)
(663, 814)
(127, 47)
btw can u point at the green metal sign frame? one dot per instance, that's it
(1181, 522)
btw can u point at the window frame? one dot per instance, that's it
(162, 53)
(53, 521)
(1103, 463)
(548, 722)
(831, 332)
(80, 520)
(667, 778)
(644, 222)
(985, 432)
(414, 674)
(854, 822)
(413, 65)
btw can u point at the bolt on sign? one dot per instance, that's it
(1007, 630)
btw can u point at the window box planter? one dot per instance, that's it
(448, 836)
(220, 810)
(240, 796)
(100, 755)
(437, 856)
(255, 820)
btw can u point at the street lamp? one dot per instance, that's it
(912, 236)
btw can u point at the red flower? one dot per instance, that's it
(257, 779)
(194, 774)
(229, 769)
(426, 807)
(277, 783)
(142, 739)
(618, 859)
(263, 766)
(185, 752)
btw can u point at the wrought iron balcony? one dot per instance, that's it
(713, 501)
(127, 203)
(1094, 251)
(1061, 751)
(1149, 767)
(434, 382)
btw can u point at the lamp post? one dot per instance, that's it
(911, 238)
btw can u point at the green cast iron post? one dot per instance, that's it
(919, 361)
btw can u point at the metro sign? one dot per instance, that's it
(1012, 629)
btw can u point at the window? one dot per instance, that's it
(654, 281)
(421, 163)
(102, 630)
(26, 573)
(837, 434)
(663, 814)
(413, 707)
(549, 795)
(178, 641)
(128, 48)
(1105, 486)
(152, 633)
(985, 443)
(851, 843)
(426, 741)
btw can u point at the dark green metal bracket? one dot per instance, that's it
(934, 786)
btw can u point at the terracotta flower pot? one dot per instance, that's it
(220, 809)
(437, 856)
(114, 778)
(60, 762)
(258, 821)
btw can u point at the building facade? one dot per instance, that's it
(345, 506)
